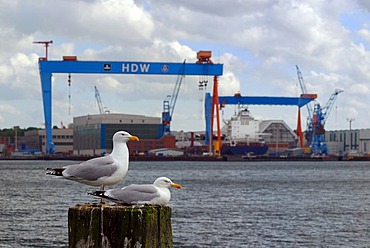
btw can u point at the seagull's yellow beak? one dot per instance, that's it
(175, 185)
(133, 138)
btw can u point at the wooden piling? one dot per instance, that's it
(103, 226)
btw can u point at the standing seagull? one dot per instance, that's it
(157, 193)
(107, 170)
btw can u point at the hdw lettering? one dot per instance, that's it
(133, 68)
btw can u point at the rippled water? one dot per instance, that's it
(222, 204)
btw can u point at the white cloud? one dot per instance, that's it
(365, 33)
(259, 43)
(364, 3)
(9, 109)
(5, 72)
(359, 89)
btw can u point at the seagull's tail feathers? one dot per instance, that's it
(54, 171)
(101, 194)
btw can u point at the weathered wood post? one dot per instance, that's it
(103, 225)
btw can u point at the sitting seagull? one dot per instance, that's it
(107, 170)
(157, 193)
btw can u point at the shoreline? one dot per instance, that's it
(194, 158)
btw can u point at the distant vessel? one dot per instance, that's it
(242, 136)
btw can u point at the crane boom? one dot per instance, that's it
(330, 103)
(304, 91)
(100, 103)
(170, 102)
(176, 91)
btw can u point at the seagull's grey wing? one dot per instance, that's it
(133, 193)
(98, 160)
(92, 169)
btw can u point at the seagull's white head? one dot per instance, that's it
(164, 182)
(123, 136)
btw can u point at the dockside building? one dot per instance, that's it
(34, 141)
(93, 133)
(342, 142)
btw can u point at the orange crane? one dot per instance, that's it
(46, 43)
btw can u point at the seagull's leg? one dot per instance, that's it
(102, 200)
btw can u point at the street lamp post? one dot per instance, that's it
(350, 120)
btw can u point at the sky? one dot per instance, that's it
(259, 44)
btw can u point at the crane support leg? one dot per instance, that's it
(207, 113)
(46, 97)
(299, 128)
(215, 104)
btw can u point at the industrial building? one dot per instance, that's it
(352, 141)
(166, 152)
(93, 133)
(34, 141)
(278, 136)
(5, 147)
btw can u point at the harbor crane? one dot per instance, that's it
(315, 133)
(70, 65)
(237, 99)
(102, 109)
(169, 105)
(316, 129)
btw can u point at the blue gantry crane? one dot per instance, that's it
(315, 133)
(237, 99)
(70, 64)
(169, 104)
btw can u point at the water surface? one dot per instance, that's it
(222, 204)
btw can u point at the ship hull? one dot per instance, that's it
(244, 149)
